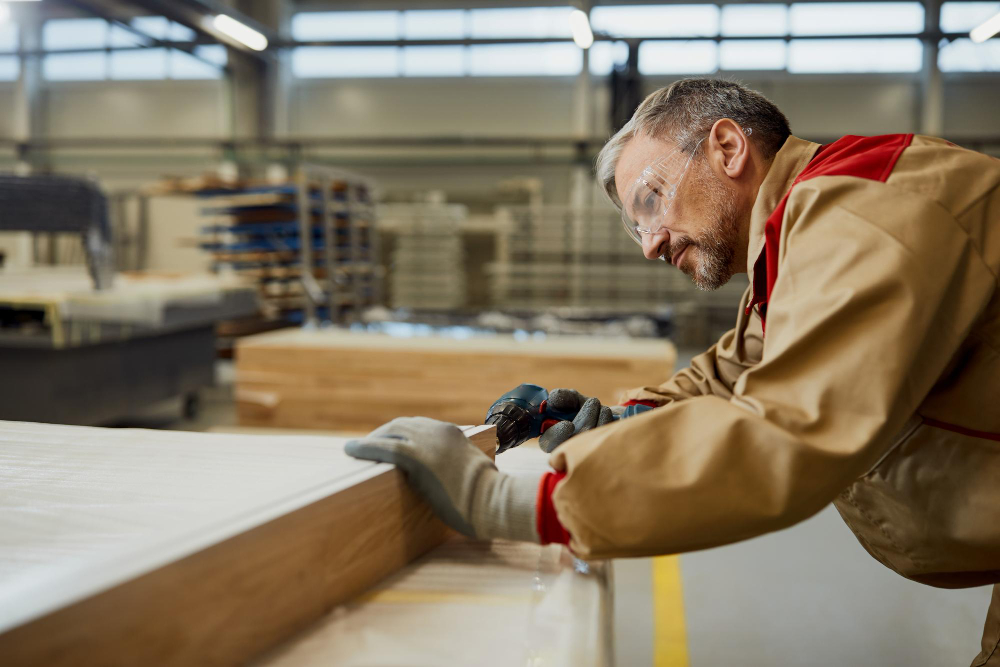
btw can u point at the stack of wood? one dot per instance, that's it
(428, 261)
(333, 380)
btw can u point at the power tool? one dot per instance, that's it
(523, 413)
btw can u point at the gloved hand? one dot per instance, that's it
(589, 414)
(461, 483)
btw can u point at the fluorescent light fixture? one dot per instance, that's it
(983, 32)
(241, 32)
(579, 23)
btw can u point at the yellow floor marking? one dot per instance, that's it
(669, 633)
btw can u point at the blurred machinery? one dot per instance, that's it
(91, 346)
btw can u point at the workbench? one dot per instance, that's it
(123, 547)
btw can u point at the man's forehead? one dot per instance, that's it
(639, 153)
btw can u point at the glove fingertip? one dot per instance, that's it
(564, 400)
(606, 416)
(369, 451)
(556, 435)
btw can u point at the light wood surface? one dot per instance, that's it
(346, 381)
(127, 547)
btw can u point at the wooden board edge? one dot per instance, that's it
(240, 597)
(484, 437)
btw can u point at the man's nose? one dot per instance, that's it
(656, 244)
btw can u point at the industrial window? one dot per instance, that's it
(694, 56)
(854, 55)
(656, 20)
(754, 20)
(313, 62)
(520, 22)
(964, 55)
(145, 64)
(75, 66)
(74, 34)
(605, 56)
(525, 59)
(688, 57)
(964, 16)
(186, 66)
(318, 26)
(10, 66)
(118, 36)
(434, 24)
(128, 64)
(855, 18)
(752, 54)
(433, 61)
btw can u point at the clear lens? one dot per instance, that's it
(648, 199)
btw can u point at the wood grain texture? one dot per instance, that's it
(343, 381)
(138, 547)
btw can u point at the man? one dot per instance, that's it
(863, 370)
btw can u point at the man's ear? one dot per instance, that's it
(728, 148)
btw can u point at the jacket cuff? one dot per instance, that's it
(550, 530)
(636, 401)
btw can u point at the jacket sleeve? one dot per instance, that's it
(875, 292)
(715, 372)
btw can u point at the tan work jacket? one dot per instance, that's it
(876, 386)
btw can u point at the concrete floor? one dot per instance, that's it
(806, 596)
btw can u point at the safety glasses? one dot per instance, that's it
(647, 201)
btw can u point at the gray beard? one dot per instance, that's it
(717, 246)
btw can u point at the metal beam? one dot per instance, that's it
(300, 142)
(207, 38)
(153, 42)
(932, 85)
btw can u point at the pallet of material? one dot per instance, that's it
(336, 380)
(131, 547)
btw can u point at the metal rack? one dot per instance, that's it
(309, 245)
(556, 256)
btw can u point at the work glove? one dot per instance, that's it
(461, 483)
(589, 414)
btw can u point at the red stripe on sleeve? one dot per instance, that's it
(550, 531)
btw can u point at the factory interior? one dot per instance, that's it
(238, 234)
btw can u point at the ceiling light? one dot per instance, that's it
(4, 12)
(986, 30)
(241, 32)
(579, 23)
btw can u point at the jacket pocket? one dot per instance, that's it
(930, 508)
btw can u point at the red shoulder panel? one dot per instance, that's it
(872, 158)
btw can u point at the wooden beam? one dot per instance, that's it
(203, 549)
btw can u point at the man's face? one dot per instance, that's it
(700, 232)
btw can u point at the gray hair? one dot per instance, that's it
(685, 111)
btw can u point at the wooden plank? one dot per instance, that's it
(123, 547)
(342, 381)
